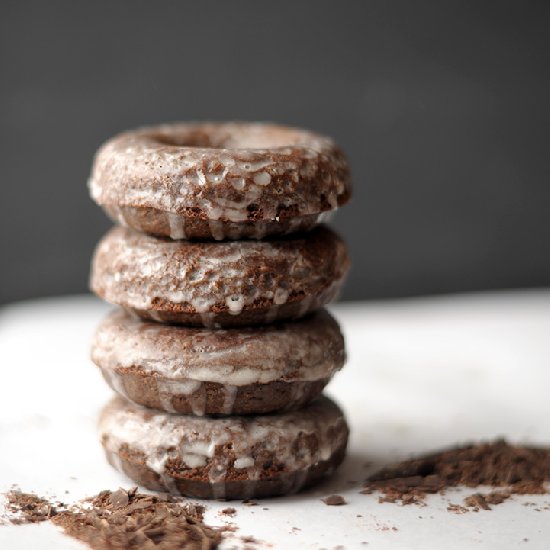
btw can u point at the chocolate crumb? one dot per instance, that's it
(28, 508)
(519, 469)
(119, 499)
(228, 512)
(122, 520)
(334, 500)
(248, 502)
(479, 501)
(456, 509)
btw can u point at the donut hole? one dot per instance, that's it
(188, 139)
(229, 136)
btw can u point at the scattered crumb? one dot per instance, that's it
(412, 496)
(334, 500)
(28, 508)
(385, 527)
(228, 512)
(249, 502)
(456, 509)
(479, 501)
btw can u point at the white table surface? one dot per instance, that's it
(422, 374)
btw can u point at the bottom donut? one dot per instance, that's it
(238, 457)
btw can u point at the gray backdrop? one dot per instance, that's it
(443, 108)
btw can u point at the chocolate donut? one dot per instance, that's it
(219, 181)
(213, 284)
(235, 457)
(236, 371)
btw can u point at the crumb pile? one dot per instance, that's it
(122, 520)
(516, 469)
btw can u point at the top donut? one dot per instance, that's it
(220, 181)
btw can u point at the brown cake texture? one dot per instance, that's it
(216, 285)
(249, 370)
(220, 180)
(236, 457)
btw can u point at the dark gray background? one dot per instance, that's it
(443, 108)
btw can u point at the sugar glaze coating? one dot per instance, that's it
(148, 274)
(224, 448)
(309, 349)
(245, 370)
(226, 175)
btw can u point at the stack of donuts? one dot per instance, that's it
(220, 347)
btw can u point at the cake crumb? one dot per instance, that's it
(456, 509)
(334, 500)
(518, 470)
(120, 520)
(481, 501)
(28, 508)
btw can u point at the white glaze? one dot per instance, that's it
(199, 441)
(115, 381)
(134, 270)
(305, 350)
(143, 168)
(177, 226)
(168, 388)
(229, 398)
(244, 462)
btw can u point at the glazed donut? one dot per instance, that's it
(219, 181)
(236, 283)
(252, 370)
(236, 457)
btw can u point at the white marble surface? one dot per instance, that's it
(421, 374)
